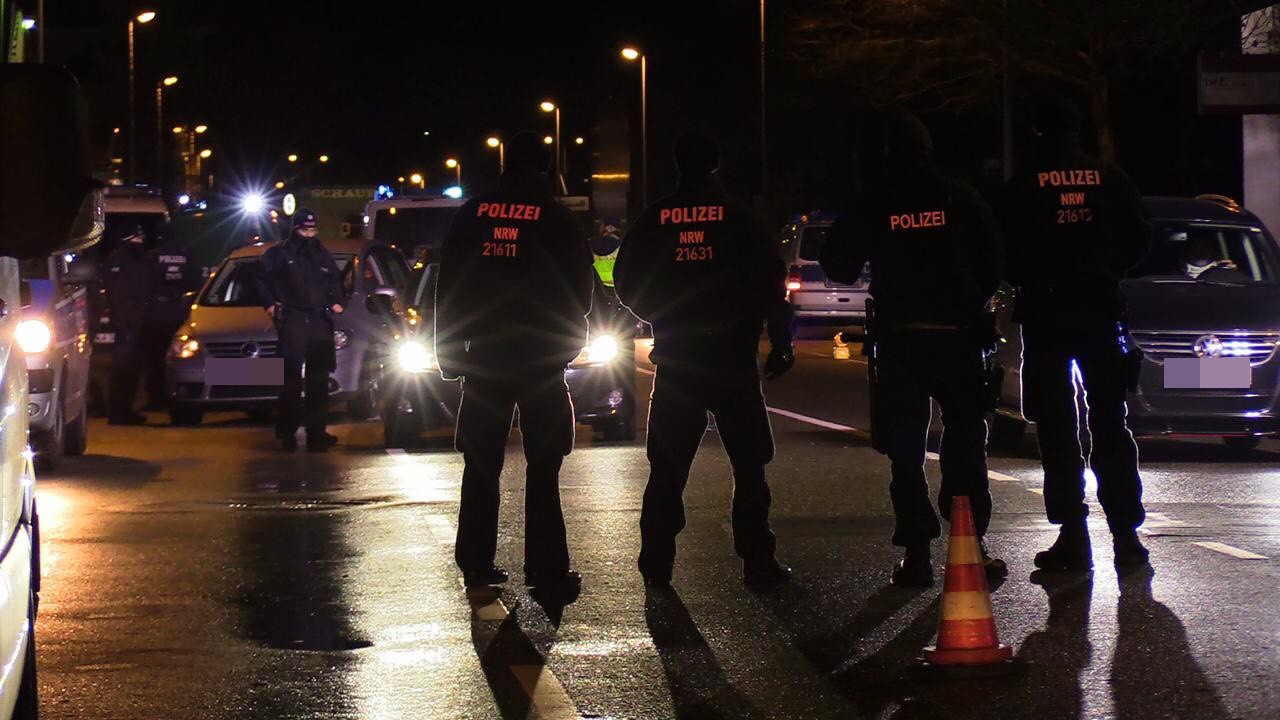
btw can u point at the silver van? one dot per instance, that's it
(816, 299)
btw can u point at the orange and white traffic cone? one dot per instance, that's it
(967, 631)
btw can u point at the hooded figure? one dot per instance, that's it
(127, 283)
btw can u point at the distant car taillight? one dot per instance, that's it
(793, 280)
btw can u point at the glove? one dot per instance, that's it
(779, 362)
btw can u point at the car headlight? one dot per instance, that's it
(33, 336)
(414, 357)
(184, 347)
(340, 339)
(602, 349)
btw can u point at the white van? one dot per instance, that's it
(410, 223)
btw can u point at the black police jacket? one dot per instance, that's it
(701, 269)
(514, 285)
(127, 282)
(301, 275)
(933, 244)
(172, 272)
(1074, 226)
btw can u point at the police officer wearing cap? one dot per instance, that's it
(1075, 225)
(703, 271)
(936, 260)
(302, 291)
(128, 293)
(512, 297)
(172, 273)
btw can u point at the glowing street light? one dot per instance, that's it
(293, 157)
(579, 140)
(549, 107)
(631, 54)
(202, 129)
(417, 179)
(496, 143)
(453, 164)
(141, 18)
(169, 81)
(324, 158)
(145, 17)
(178, 129)
(28, 23)
(279, 184)
(547, 140)
(206, 154)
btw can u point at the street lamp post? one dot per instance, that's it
(495, 142)
(169, 81)
(141, 18)
(633, 54)
(453, 164)
(549, 107)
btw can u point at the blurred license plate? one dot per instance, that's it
(104, 338)
(1207, 373)
(244, 371)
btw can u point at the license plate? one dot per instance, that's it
(244, 371)
(1207, 373)
(104, 338)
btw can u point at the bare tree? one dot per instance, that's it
(953, 53)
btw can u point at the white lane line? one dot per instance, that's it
(546, 692)
(818, 422)
(485, 603)
(1037, 491)
(1234, 552)
(397, 453)
(442, 530)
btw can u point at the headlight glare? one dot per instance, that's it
(33, 336)
(413, 357)
(601, 350)
(340, 339)
(184, 347)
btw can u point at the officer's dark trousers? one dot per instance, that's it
(946, 366)
(157, 336)
(1049, 400)
(677, 422)
(126, 361)
(309, 340)
(546, 426)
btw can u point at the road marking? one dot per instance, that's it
(826, 424)
(546, 692)
(1037, 491)
(442, 530)
(1234, 552)
(485, 603)
(397, 453)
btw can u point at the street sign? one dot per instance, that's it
(289, 204)
(1239, 84)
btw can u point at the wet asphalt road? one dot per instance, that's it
(197, 572)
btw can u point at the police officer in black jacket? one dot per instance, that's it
(511, 302)
(1075, 225)
(700, 268)
(302, 291)
(129, 294)
(173, 272)
(936, 261)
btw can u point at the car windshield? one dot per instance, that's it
(234, 284)
(1202, 252)
(410, 227)
(811, 242)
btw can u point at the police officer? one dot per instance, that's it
(605, 249)
(700, 268)
(172, 272)
(1075, 225)
(302, 291)
(936, 261)
(511, 302)
(128, 294)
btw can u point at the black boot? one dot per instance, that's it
(915, 569)
(484, 578)
(764, 573)
(1072, 550)
(993, 567)
(1129, 551)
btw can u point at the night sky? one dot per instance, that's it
(362, 81)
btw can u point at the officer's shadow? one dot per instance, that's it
(512, 662)
(699, 688)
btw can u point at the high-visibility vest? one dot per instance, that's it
(604, 267)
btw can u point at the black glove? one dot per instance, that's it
(779, 362)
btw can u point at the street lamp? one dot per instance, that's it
(632, 54)
(579, 140)
(206, 154)
(202, 129)
(456, 167)
(549, 107)
(169, 81)
(417, 179)
(547, 140)
(141, 18)
(293, 157)
(324, 158)
(496, 143)
(178, 129)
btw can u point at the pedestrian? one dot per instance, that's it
(512, 297)
(704, 272)
(604, 248)
(300, 286)
(128, 294)
(1075, 226)
(936, 260)
(173, 272)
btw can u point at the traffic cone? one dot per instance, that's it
(967, 630)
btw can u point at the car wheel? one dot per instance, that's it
(27, 706)
(48, 445)
(75, 435)
(1242, 442)
(1006, 432)
(186, 416)
(365, 403)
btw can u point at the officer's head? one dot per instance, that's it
(305, 225)
(525, 152)
(906, 139)
(697, 154)
(1054, 117)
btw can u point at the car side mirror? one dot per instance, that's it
(81, 272)
(49, 202)
(382, 300)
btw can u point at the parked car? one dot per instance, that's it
(816, 299)
(601, 379)
(410, 222)
(221, 357)
(54, 336)
(1226, 307)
